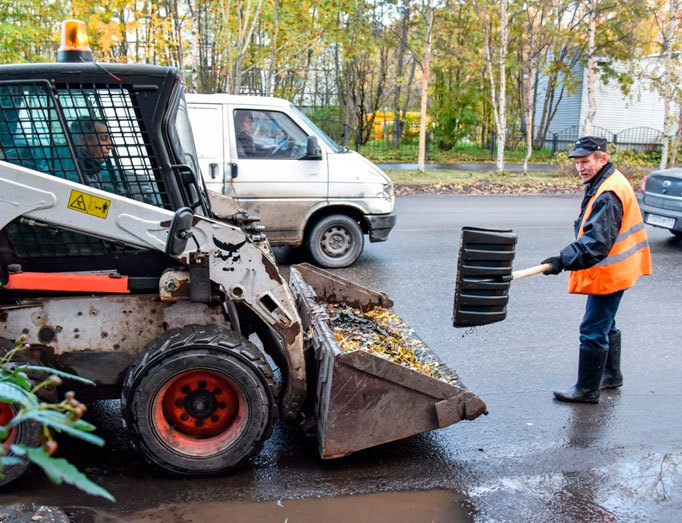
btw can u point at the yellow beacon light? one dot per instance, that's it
(74, 46)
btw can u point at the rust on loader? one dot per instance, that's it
(361, 399)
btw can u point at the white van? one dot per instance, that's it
(278, 165)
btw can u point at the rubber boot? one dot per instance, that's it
(612, 377)
(590, 368)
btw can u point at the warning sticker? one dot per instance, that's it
(89, 204)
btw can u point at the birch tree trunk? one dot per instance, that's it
(172, 6)
(397, 120)
(270, 75)
(668, 50)
(498, 97)
(501, 118)
(529, 118)
(678, 138)
(591, 49)
(194, 79)
(425, 88)
(247, 19)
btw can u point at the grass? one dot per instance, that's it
(379, 151)
(444, 177)
(467, 182)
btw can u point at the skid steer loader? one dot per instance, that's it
(132, 275)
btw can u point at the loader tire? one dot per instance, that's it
(27, 433)
(335, 241)
(200, 401)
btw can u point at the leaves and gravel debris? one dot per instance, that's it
(381, 332)
(487, 186)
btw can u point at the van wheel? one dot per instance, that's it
(335, 241)
(27, 433)
(200, 401)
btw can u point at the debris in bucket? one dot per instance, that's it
(380, 331)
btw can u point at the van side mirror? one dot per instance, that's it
(312, 149)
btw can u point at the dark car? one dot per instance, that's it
(661, 200)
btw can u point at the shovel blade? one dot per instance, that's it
(484, 270)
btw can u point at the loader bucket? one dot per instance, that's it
(362, 399)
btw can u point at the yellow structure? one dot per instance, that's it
(383, 123)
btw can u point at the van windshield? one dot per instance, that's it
(320, 133)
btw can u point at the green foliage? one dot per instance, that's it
(328, 119)
(355, 55)
(29, 30)
(379, 151)
(631, 163)
(17, 388)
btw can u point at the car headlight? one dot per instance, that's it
(387, 191)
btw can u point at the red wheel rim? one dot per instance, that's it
(7, 412)
(199, 412)
(200, 403)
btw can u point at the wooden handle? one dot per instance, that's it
(531, 271)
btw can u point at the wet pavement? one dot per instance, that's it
(530, 459)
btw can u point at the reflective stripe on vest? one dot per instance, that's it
(628, 259)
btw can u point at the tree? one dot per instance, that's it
(497, 70)
(562, 53)
(425, 85)
(29, 29)
(668, 35)
(399, 78)
(612, 36)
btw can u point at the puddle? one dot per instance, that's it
(439, 506)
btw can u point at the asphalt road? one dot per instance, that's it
(530, 459)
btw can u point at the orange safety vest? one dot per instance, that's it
(628, 259)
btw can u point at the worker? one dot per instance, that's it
(243, 121)
(93, 145)
(610, 253)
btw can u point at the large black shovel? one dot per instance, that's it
(484, 274)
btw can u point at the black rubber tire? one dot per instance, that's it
(214, 351)
(677, 234)
(335, 241)
(27, 433)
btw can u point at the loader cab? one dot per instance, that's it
(52, 118)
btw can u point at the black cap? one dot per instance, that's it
(587, 145)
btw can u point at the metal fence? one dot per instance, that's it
(638, 139)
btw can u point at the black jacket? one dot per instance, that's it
(125, 183)
(601, 226)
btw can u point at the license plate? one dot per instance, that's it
(661, 221)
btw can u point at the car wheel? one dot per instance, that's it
(200, 401)
(335, 241)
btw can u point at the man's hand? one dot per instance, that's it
(556, 265)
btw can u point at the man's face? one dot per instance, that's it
(247, 122)
(588, 166)
(99, 145)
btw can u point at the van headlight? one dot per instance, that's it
(387, 191)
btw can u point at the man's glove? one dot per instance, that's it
(556, 265)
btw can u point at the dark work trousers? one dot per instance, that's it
(599, 320)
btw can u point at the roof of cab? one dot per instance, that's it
(237, 99)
